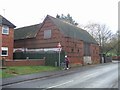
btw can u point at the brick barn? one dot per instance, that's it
(78, 44)
(6, 39)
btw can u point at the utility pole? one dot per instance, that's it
(59, 47)
(118, 30)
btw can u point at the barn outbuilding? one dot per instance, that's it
(78, 44)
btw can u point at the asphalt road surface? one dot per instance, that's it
(94, 76)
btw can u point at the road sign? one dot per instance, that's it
(59, 45)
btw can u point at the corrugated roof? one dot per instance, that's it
(26, 32)
(4, 21)
(73, 31)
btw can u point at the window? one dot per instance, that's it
(4, 51)
(5, 29)
(72, 50)
(47, 34)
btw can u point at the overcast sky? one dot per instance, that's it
(29, 12)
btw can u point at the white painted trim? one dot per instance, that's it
(4, 48)
(87, 60)
(37, 50)
(4, 26)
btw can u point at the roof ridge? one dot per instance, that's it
(28, 26)
(65, 22)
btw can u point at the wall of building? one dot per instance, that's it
(39, 41)
(0, 41)
(95, 53)
(55, 38)
(75, 56)
(74, 48)
(8, 41)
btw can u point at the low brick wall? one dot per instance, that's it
(36, 62)
(116, 58)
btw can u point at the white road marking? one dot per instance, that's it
(91, 75)
(60, 84)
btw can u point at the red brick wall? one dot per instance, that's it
(26, 43)
(75, 56)
(8, 41)
(67, 43)
(116, 58)
(55, 38)
(25, 62)
(0, 41)
(95, 53)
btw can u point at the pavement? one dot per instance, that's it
(22, 78)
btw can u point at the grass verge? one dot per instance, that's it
(22, 70)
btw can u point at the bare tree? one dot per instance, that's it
(112, 46)
(101, 33)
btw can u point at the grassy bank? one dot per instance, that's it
(22, 70)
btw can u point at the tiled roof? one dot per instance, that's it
(4, 21)
(67, 29)
(26, 32)
(73, 31)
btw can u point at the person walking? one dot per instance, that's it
(66, 62)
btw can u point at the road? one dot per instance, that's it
(94, 76)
